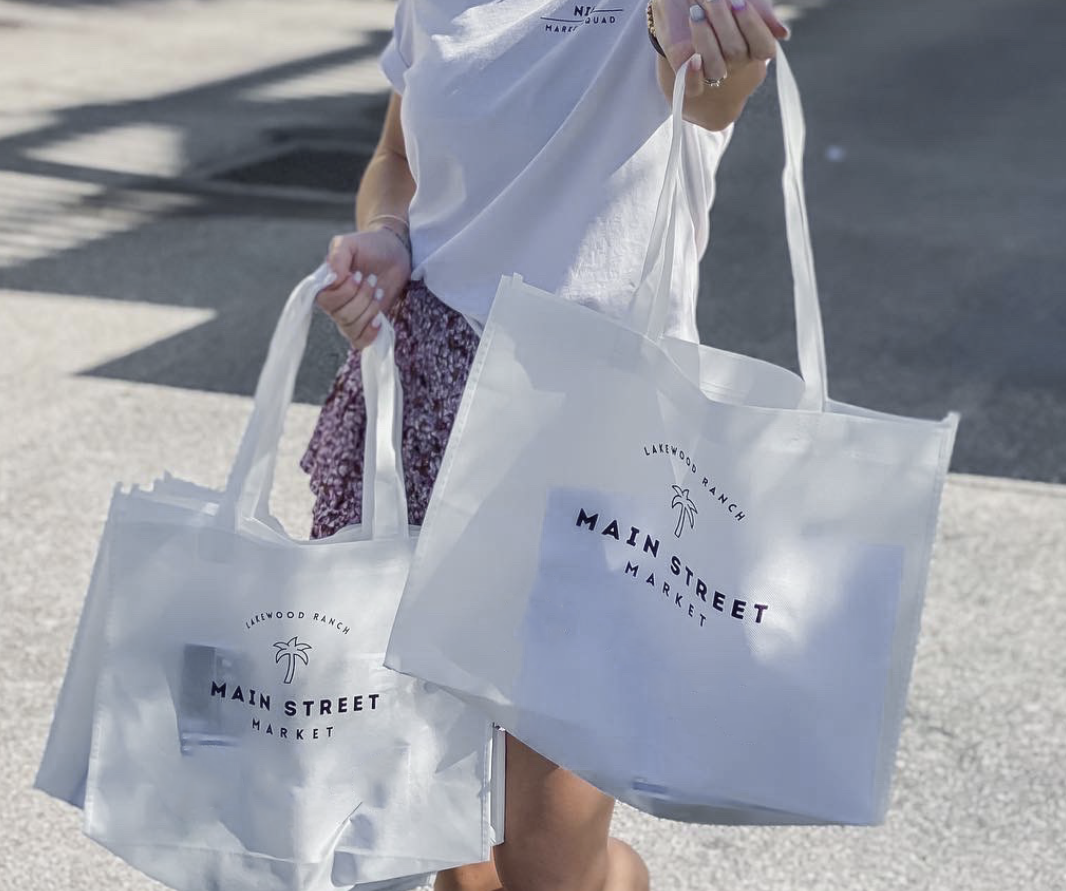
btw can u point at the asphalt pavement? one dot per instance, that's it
(169, 168)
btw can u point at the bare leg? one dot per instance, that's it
(626, 871)
(556, 829)
(474, 877)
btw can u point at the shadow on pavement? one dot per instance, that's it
(210, 251)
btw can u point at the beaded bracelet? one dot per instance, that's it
(651, 33)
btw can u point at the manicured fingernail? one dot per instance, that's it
(371, 279)
(357, 276)
(379, 295)
(330, 278)
(377, 322)
(738, 4)
(696, 64)
(696, 13)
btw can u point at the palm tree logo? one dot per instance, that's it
(686, 510)
(291, 650)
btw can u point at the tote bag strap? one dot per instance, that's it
(247, 493)
(384, 492)
(651, 300)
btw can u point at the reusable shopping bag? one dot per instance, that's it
(687, 575)
(226, 720)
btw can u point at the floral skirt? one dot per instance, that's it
(435, 348)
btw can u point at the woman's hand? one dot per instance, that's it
(732, 40)
(729, 35)
(372, 269)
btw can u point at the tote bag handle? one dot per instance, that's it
(247, 493)
(653, 292)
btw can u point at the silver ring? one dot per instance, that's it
(717, 82)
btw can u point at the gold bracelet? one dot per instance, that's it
(389, 216)
(403, 234)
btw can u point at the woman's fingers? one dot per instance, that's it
(370, 332)
(338, 294)
(754, 29)
(341, 257)
(729, 34)
(766, 14)
(365, 328)
(706, 41)
(694, 84)
(355, 315)
(732, 45)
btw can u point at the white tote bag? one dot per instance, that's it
(684, 574)
(244, 732)
(64, 763)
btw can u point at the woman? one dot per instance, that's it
(523, 136)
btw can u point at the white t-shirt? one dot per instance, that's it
(537, 136)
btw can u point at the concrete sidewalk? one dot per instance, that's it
(143, 256)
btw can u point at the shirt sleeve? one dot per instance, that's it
(398, 54)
